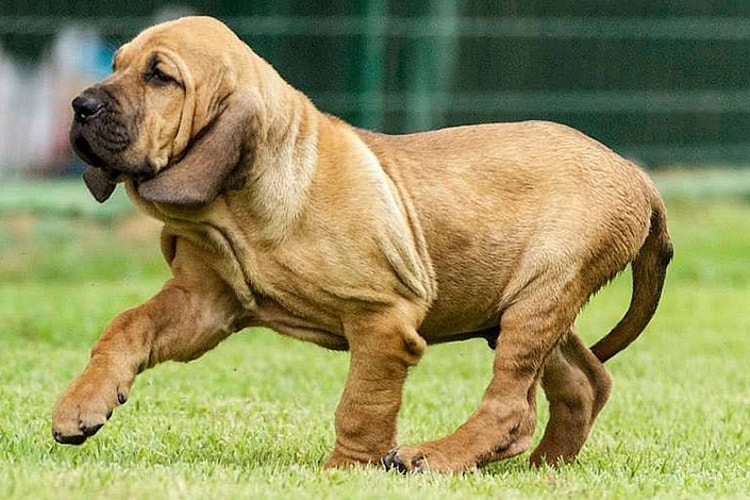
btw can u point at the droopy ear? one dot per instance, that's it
(200, 175)
(99, 183)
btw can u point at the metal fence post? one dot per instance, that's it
(433, 64)
(371, 98)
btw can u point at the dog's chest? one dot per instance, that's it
(300, 288)
(270, 313)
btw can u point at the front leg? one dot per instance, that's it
(382, 349)
(189, 316)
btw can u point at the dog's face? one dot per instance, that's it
(161, 112)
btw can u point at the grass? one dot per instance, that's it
(254, 418)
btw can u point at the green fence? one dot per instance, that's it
(663, 82)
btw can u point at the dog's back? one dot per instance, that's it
(501, 204)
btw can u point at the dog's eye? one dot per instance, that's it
(158, 77)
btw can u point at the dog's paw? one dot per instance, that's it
(85, 407)
(413, 459)
(404, 462)
(343, 459)
(344, 463)
(427, 457)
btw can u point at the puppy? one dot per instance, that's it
(276, 214)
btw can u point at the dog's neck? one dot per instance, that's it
(283, 166)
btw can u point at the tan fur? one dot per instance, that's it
(278, 215)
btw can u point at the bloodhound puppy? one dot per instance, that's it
(279, 215)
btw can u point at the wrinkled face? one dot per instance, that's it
(128, 123)
(170, 117)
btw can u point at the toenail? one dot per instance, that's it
(90, 430)
(62, 439)
(392, 461)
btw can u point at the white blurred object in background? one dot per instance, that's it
(35, 102)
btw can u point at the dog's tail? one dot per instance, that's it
(649, 271)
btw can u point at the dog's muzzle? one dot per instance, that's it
(100, 137)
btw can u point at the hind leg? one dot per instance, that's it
(577, 387)
(503, 425)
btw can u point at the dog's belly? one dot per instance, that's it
(477, 256)
(469, 299)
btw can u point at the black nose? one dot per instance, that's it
(85, 107)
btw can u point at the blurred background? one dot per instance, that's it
(663, 83)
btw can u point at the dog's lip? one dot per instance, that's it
(86, 152)
(142, 174)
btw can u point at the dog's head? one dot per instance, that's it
(172, 116)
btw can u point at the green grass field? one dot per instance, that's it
(254, 417)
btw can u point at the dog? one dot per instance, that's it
(279, 215)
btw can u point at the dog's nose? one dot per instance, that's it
(85, 107)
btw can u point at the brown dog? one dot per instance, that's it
(276, 214)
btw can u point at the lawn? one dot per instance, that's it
(254, 417)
